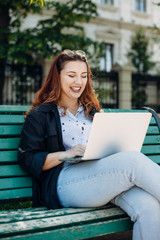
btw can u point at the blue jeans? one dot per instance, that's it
(130, 180)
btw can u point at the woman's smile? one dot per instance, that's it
(76, 89)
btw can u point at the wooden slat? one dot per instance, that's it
(7, 216)
(10, 129)
(79, 232)
(15, 194)
(153, 130)
(151, 149)
(13, 183)
(13, 212)
(11, 119)
(9, 143)
(11, 170)
(152, 139)
(153, 121)
(60, 221)
(8, 156)
(155, 158)
(14, 108)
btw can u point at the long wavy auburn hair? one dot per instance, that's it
(51, 88)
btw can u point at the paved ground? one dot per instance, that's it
(119, 236)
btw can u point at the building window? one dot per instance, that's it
(140, 5)
(106, 62)
(108, 2)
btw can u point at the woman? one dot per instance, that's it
(58, 127)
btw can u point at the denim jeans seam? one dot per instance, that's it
(94, 176)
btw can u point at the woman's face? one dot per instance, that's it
(73, 79)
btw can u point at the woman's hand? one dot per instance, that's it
(52, 159)
(78, 150)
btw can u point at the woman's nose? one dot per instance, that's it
(78, 80)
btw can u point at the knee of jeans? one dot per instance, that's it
(137, 158)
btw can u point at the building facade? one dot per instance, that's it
(117, 22)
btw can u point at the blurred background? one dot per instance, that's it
(121, 39)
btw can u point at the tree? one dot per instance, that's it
(140, 58)
(139, 54)
(62, 30)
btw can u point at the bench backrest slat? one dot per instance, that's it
(154, 139)
(15, 194)
(14, 182)
(13, 108)
(155, 158)
(11, 170)
(9, 143)
(8, 156)
(150, 150)
(11, 119)
(10, 129)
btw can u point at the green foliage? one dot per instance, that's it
(139, 96)
(140, 57)
(62, 30)
(139, 54)
(40, 2)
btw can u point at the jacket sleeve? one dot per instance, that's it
(31, 151)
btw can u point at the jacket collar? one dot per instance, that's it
(47, 107)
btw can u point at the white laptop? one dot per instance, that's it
(115, 132)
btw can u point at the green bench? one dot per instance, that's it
(62, 224)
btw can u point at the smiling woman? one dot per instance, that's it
(58, 127)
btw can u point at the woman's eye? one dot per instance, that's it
(71, 76)
(84, 76)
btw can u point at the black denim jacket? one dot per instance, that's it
(41, 135)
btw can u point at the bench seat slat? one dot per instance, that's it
(41, 212)
(14, 212)
(10, 129)
(9, 143)
(11, 170)
(11, 216)
(79, 232)
(15, 194)
(13, 183)
(8, 156)
(64, 220)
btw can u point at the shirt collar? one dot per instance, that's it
(79, 110)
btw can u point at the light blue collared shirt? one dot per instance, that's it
(75, 128)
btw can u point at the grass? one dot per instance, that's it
(16, 205)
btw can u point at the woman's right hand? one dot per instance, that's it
(78, 150)
(52, 159)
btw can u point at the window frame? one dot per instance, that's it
(108, 2)
(141, 6)
(107, 67)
